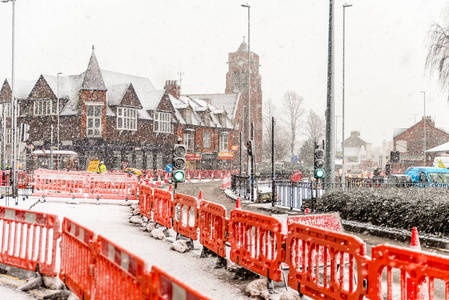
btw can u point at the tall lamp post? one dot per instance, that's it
(249, 96)
(425, 138)
(343, 102)
(57, 105)
(13, 107)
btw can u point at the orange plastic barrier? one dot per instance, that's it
(119, 274)
(185, 219)
(420, 269)
(256, 243)
(145, 200)
(308, 251)
(161, 286)
(28, 240)
(77, 258)
(162, 207)
(113, 187)
(213, 226)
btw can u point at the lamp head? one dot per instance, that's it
(243, 5)
(347, 5)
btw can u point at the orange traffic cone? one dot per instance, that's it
(169, 188)
(422, 291)
(414, 243)
(200, 197)
(237, 204)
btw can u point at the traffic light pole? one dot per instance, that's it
(252, 162)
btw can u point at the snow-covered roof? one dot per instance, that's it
(229, 102)
(22, 88)
(399, 131)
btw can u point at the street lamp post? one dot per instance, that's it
(250, 159)
(57, 104)
(343, 102)
(13, 107)
(425, 138)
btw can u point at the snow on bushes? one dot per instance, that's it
(404, 208)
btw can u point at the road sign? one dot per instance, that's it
(294, 159)
(169, 168)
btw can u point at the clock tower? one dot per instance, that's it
(237, 82)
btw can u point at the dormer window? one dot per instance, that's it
(188, 116)
(44, 108)
(206, 119)
(126, 118)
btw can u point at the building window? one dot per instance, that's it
(189, 141)
(162, 122)
(8, 136)
(223, 141)
(44, 108)
(206, 139)
(236, 83)
(188, 115)
(401, 146)
(93, 116)
(126, 118)
(7, 108)
(207, 119)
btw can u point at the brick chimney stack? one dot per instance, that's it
(172, 87)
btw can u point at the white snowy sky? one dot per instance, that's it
(385, 50)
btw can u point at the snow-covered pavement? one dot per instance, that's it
(111, 219)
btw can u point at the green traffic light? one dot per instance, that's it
(178, 176)
(319, 173)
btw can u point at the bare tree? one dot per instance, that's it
(281, 139)
(438, 54)
(293, 105)
(315, 131)
(315, 127)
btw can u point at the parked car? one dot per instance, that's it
(428, 176)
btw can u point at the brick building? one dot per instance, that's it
(115, 117)
(235, 99)
(410, 144)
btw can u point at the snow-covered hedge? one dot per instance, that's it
(425, 208)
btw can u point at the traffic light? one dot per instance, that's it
(179, 162)
(318, 163)
(394, 156)
(249, 148)
(387, 169)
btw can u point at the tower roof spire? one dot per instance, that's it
(243, 46)
(93, 79)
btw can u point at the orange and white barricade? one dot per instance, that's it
(185, 221)
(77, 258)
(29, 240)
(256, 243)
(161, 285)
(162, 207)
(213, 226)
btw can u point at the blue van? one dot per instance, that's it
(429, 175)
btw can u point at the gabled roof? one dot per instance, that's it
(22, 88)
(229, 102)
(93, 79)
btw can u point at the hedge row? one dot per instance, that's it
(403, 208)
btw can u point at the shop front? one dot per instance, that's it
(209, 161)
(193, 161)
(224, 160)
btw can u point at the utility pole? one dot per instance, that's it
(330, 104)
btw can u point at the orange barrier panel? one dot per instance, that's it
(113, 186)
(28, 240)
(213, 226)
(256, 243)
(185, 219)
(161, 286)
(418, 269)
(308, 251)
(162, 207)
(118, 273)
(145, 200)
(77, 258)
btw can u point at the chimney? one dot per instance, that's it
(172, 87)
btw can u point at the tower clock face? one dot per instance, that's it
(240, 62)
